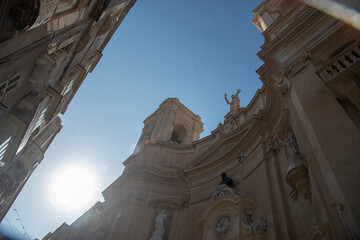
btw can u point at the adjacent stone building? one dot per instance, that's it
(289, 161)
(47, 47)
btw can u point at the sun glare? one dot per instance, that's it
(73, 188)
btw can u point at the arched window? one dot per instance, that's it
(178, 135)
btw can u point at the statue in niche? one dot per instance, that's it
(292, 150)
(297, 175)
(291, 145)
(235, 101)
(226, 180)
(159, 226)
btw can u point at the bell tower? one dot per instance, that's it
(172, 122)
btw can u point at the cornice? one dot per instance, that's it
(229, 143)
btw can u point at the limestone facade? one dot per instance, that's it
(47, 47)
(293, 152)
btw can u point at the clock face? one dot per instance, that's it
(222, 226)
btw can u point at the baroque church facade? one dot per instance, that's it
(284, 167)
(47, 48)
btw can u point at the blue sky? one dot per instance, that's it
(193, 50)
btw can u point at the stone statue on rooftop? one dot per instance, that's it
(235, 101)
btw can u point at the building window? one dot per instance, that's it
(3, 148)
(40, 119)
(90, 62)
(68, 87)
(175, 139)
(37, 120)
(68, 82)
(178, 135)
(9, 85)
(59, 52)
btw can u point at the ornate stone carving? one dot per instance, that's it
(159, 226)
(222, 226)
(292, 151)
(223, 190)
(297, 175)
(320, 232)
(46, 11)
(297, 65)
(258, 224)
(34, 13)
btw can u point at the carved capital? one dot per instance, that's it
(297, 65)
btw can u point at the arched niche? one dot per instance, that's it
(179, 134)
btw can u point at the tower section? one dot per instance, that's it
(172, 122)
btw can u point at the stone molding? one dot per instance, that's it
(223, 190)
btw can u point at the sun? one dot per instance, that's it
(73, 188)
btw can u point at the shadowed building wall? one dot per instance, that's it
(46, 50)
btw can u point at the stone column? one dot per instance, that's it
(334, 138)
